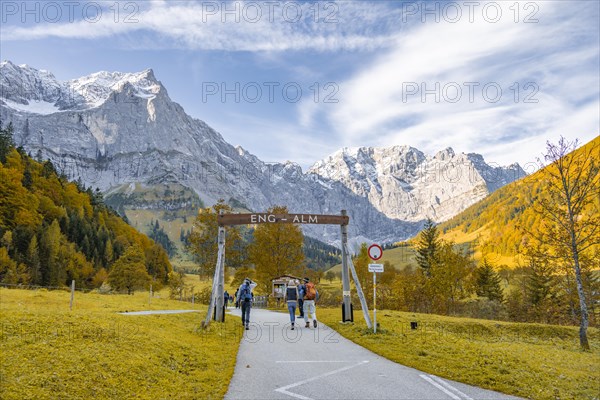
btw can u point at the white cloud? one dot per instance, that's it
(233, 26)
(559, 55)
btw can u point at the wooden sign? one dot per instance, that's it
(265, 218)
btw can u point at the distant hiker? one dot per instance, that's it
(245, 299)
(291, 297)
(225, 298)
(310, 297)
(237, 299)
(301, 293)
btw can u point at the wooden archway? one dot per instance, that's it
(343, 219)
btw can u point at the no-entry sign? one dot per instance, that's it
(375, 252)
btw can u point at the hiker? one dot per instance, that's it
(311, 295)
(301, 293)
(225, 298)
(291, 297)
(237, 299)
(245, 299)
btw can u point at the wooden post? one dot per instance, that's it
(347, 314)
(221, 275)
(72, 294)
(361, 296)
(211, 303)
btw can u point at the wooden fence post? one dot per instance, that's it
(72, 294)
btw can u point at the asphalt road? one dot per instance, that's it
(275, 362)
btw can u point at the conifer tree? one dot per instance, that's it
(488, 282)
(427, 247)
(6, 140)
(33, 261)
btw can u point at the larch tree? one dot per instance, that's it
(203, 240)
(570, 210)
(129, 271)
(277, 249)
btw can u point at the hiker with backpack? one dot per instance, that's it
(237, 298)
(245, 299)
(310, 297)
(225, 299)
(291, 297)
(301, 293)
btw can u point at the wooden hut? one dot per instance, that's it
(279, 284)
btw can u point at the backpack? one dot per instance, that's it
(311, 291)
(245, 293)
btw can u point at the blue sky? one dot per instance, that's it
(427, 74)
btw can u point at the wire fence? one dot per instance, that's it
(37, 287)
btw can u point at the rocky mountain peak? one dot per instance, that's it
(445, 154)
(114, 129)
(404, 183)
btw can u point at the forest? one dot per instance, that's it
(53, 230)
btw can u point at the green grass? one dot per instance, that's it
(529, 360)
(47, 351)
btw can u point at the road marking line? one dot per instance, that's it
(284, 389)
(309, 361)
(450, 387)
(437, 385)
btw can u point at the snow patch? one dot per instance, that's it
(34, 107)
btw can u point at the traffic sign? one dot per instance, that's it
(375, 252)
(375, 267)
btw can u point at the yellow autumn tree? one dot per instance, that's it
(129, 271)
(276, 250)
(204, 240)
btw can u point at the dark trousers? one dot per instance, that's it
(246, 306)
(301, 307)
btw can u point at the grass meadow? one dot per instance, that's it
(529, 360)
(48, 351)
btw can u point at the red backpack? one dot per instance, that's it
(311, 291)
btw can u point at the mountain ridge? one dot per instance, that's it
(128, 130)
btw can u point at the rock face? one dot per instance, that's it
(111, 129)
(404, 183)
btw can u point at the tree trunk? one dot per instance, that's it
(583, 325)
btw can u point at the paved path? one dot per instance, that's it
(275, 362)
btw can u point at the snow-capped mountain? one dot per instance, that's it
(404, 183)
(114, 129)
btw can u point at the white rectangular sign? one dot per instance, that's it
(375, 267)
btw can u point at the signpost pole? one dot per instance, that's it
(347, 312)
(375, 268)
(374, 302)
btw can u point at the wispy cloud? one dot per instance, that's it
(233, 26)
(553, 62)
